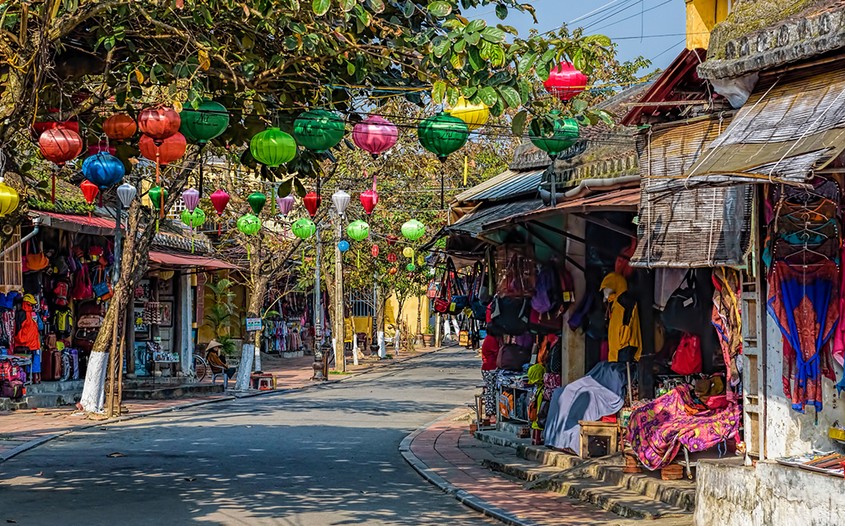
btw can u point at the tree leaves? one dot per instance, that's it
(321, 7)
(440, 9)
(518, 123)
(510, 96)
(488, 95)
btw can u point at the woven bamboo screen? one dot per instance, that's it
(11, 270)
(695, 227)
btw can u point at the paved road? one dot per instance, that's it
(325, 456)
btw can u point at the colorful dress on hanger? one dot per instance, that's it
(803, 301)
(727, 320)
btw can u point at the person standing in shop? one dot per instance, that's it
(27, 338)
(489, 360)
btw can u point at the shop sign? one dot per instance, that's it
(253, 324)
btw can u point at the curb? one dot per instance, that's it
(4, 456)
(462, 496)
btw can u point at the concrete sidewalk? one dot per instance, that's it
(24, 429)
(448, 456)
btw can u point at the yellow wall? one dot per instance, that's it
(409, 313)
(702, 16)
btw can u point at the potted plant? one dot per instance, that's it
(428, 337)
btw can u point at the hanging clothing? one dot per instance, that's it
(489, 353)
(489, 393)
(666, 282)
(804, 303)
(727, 319)
(623, 330)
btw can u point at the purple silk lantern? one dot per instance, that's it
(375, 135)
(191, 196)
(285, 204)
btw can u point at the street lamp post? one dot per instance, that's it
(340, 200)
(318, 313)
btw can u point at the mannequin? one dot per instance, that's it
(623, 334)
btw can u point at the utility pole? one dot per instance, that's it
(337, 333)
(318, 313)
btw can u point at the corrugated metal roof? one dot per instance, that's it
(507, 184)
(473, 223)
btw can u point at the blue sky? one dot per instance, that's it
(614, 18)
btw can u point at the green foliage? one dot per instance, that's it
(222, 314)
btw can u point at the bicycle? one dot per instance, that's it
(201, 368)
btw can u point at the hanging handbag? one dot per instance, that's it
(460, 299)
(82, 288)
(102, 288)
(443, 300)
(512, 357)
(34, 261)
(683, 310)
(687, 357)
(476, 304)
(508, 316)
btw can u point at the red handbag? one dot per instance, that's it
(687, 357)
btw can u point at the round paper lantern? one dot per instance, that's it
(565, 82)
(340, 200)
(256, 201)
(159, 123)
(272, 147)
(408, 252)
(158, 196)
(473, 115)
(318, 130)
(391, 239)
(358, 230)
(303, 228)
(374, 251)
(126, 193)
(219, 200)
(312, 202)
(101, 146)
(391, 258)
(193, 219)
(285, 204)
(392, 271)
(375, 135)
(60, 145)
(369, 200)
(249, 224)
(168, 150)
(191, 197)
(565, 134)
(442, 134)
(343, 245)
(9, 199)
(204, 123)
(89, 191)
(103, 169)
(119, 127)
(411, 267)
(413, 230)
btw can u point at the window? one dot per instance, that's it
(11, 271)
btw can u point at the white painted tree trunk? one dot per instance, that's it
(354, 348)
(245, 367)
(382, 348)
(93, 393)
(256, 366)
(396, 339)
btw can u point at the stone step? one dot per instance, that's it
(51, 399)
(615, 499)
(55, 387)
(169, 392)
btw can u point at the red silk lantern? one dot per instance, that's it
(90, 191)
(312, 203)
(169, 150)
(375, 135)
(59, 145)
(159, 123)
(219, 200)
(565, 82)
(119, 127)
(41, 127)
(391, 239)
(374, 251)
(369, 198)
(391, 258)
(392, 271)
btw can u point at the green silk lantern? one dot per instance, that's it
(158, 196)
(256, 201)
(209, 120)
(413, 230)
(272, 147)
(303, 228)
(318, 130)
(249, 224)
(193, 219)
(443, 134)
(411, 267)
(358, 230)
(565, 134)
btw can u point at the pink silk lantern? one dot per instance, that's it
(369, 198)
(285, 204)
(374, 251)
(375, 135)
(219, 200)
(191, 197)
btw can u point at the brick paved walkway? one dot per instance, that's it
(449, 451)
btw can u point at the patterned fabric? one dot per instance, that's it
(489, 392)
(727, 320)
(658, 429)
(804, 304)
(551, 381)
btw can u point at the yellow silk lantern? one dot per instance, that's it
(408, 252)
(474, 115)
(9, 199)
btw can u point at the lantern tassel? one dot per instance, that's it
(53, 191)
(248, 258)
(358, 258)
(158, 183)
(466, 169)
(192, 236)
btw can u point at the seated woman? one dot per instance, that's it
(218, 363)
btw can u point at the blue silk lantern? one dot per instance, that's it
(103, 169)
